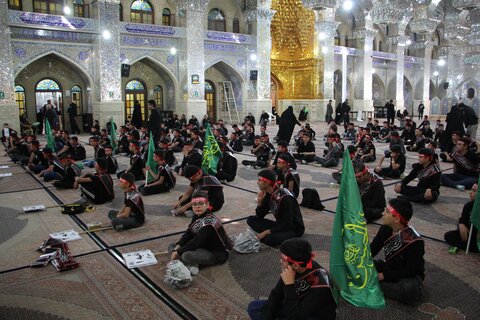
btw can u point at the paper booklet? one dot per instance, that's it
(139, 259)
(8, 174)
(66, 236)
(38, 207)
(4, 167)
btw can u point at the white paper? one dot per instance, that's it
(66, 236)
(139, 259)
(4, 167)
(38, 207)
(8, 174)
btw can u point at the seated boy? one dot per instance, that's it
(304, 290)
(98, 187)
(163, 181)
(132, 215)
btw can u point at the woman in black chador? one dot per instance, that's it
(137, 115)
(454, 123)
(287, 125)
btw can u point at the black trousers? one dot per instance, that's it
(453, 238)
(406, 290)
(390, 173)
(416, 194)
(275, 239)
(372, 214)
(149, 190)
(122, 223)
(74, 127)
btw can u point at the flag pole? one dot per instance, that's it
(146, 179)
(469, 238)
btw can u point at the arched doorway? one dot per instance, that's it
(20, 100)
(378, 90)
(222, 75)
(135, 90)
(210, 97)
(408, 96)
(49, 89)
(158, 96)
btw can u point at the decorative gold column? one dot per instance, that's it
(293, 60)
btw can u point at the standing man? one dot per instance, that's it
(50, 114)
(72, 116)
(390, 112)
(470, 119)
(154, 121)
(421, 108)
(345, 110)
(328, 114)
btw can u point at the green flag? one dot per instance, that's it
(351, 263)
(150, 162)
(113, 134)
(50, 138)
(475, 215)
(211, 152)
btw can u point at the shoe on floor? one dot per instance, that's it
(460, 187)
(82, 200)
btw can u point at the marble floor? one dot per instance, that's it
(103, 288)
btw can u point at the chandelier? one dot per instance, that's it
(465, 4)
(319, 4)
(384, 12)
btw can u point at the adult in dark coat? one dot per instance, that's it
(137, 115)
(154, 121)
(50, 116)
(287, 125)
(454, 123)
(390, 112)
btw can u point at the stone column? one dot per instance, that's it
(261, 100)
(8, 107)
(363, 81)
(328, 27)
(344, 74)
(427, 76)
(108, 84)
(191, 61)
(397, 45)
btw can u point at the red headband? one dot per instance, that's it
(358, 174)
(200, 199)
(397, 214)
(266, 180)
(195, 173)
(132, 185)
(136, 147)
(290, 260)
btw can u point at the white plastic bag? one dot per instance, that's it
(246, 242)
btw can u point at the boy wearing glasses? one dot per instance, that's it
(205, 243)
(429, 175)
(284, 206)
(401, 274)
(199, 181)
(132, 215)
(303, 290)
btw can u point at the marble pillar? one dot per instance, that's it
(260, 100)
(108, 84)
(326, 47)
(427, 77)
(364, 102)
(397, 45)
(9, 112)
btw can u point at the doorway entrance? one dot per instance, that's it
(48, 89)
(135, 90)
(210, 97)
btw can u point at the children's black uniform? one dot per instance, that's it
(236, 145)
(302, 147)
(289, 222)
(394, 173)
(136, 167)
(169, 156)
(100, 190)
(227, 167)
(291, 160)
(453, 238)
(292, 176)
(309, 298)
(75, 152)
(194, 158)
(135, 219)
(112, 165)
(205, 242)
(71, 172)
(169, 182)
(372, 194)
(429, 178)
(404, 267)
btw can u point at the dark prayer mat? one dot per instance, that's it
(100, 288)
(10, 223)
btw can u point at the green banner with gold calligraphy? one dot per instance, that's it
(351, 263)
(211, 152)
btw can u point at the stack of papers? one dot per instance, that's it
(139, 259)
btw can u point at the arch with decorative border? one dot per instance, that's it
(214, 62)
(164, 68)
(63, 57)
